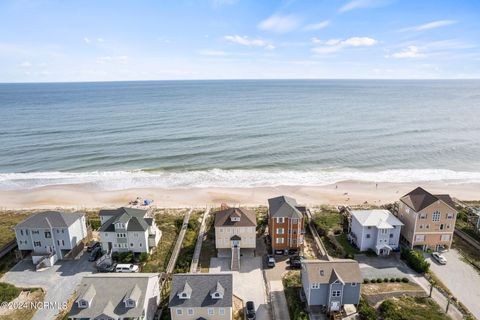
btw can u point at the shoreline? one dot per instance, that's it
(342, 193)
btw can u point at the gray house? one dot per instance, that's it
(50, 235)
(329, 285)
(201, 296)
(112, 296)
(128, 229)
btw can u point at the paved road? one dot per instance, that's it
(461, 278)
(59, 281)
(278, 301)
(248, 283)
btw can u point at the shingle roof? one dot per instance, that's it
(135, 218)
(50, 219)
(283, 206)
(202, 287)
(247, 218)
(378, 218)
(419, 199)
(319, 271)
(111, 290)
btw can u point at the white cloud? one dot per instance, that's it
(334, 45)
(409, 52)
(25, 64)
(431, 25)
(116, 59)
(100, 40)
(86, 40)
(215, 53)
(246, 41)
(280, 24)
(360, 4)
(317, 26)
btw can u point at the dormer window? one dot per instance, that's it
(233, 218)
(186, 292)
(82, 304)
(217, 292)
(130, 303)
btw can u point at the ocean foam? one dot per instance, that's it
(120, 180)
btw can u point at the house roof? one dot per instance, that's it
(247, 218)
(134, 217)
(111, 290)
(203, 285)
(50, 219)
(283, 206)
(382, 219)
(420, 198)
(323, 272)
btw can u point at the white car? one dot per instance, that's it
(440, 259)
(126, 268)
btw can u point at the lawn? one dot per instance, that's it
(411, 308)
(327, 218)
(8, 220)
(36, 295)
(347, 246)
(170, 224)
(292, 286)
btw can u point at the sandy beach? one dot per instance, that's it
(348, 192)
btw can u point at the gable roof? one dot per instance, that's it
(247, 218)
(382, 219)
(111, 291)
(50, 219)
(419, 199)
(134, 217)
(202, 287)
(344, 270)
(283, 206)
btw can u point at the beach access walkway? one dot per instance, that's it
(198, 245)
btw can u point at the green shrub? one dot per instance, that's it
(405, 280)
(379, 280)
(370, 253)
(94, 223)
(366, 281)
(392, 279)
(143, 257)
(366, 311)
(415, 260)
(123, 257)
(388, 310)
(385, 280)
(373, 281)
(8, 292)
(398, 279)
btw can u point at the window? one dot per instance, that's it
(280, 220)
(140, 244)
(26, 232)
(450, 216)
(190, 312)
(21, 232)
(106, 234)
(391, 235)
(315, 286)
(436, 216)
(82, 304)
(131, 244)
(37, 244)
(211, 312)
(179, 312)
(407, 210)
(336, 293)
(448, 226)
(368, 236)
(294, 221)
(58, 242)
(58, 230)
(420, 237)
(427, 226)
(63, 242)
(442, 226)
(383, 231)
(354, 284)
(280, 231)
(48, 234)
(221, 311)
(369, 227)
(280, 240)
(220, 229)
(63, 230)
(35, 232)
(135, 234)
(445, 237)
(423, 215)
(121, 235)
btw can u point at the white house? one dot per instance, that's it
(378, 230)
(128, 229)
(117, 296)
(50, 235)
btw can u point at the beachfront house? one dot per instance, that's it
(117, 296)
(51, 235)
(429, 220)
(235, 234)
(330, 285)
(201, 296)
(128, 229)
(285, 224)
(377, 230)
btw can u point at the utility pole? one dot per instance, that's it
(448, 304)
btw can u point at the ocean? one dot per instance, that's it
(181, 134)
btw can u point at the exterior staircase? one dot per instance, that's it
(235, 259)
(105, 259)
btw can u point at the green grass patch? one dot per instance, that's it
(189, 242)
(411, 308)
(8, 292)
(292, 286)
(8, 220)
(349, 249)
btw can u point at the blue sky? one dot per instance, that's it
(46, 40)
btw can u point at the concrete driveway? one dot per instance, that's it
(248, 283)
(461, 278)
(59, 281)
(383, 267)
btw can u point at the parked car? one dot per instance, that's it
(121, 267)
(107, 267)
(296, 262)
(93, 245)
(280, 252)
(95, 254)
(250, 306)
(270, 261)
(293, 252)
(440, 259)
